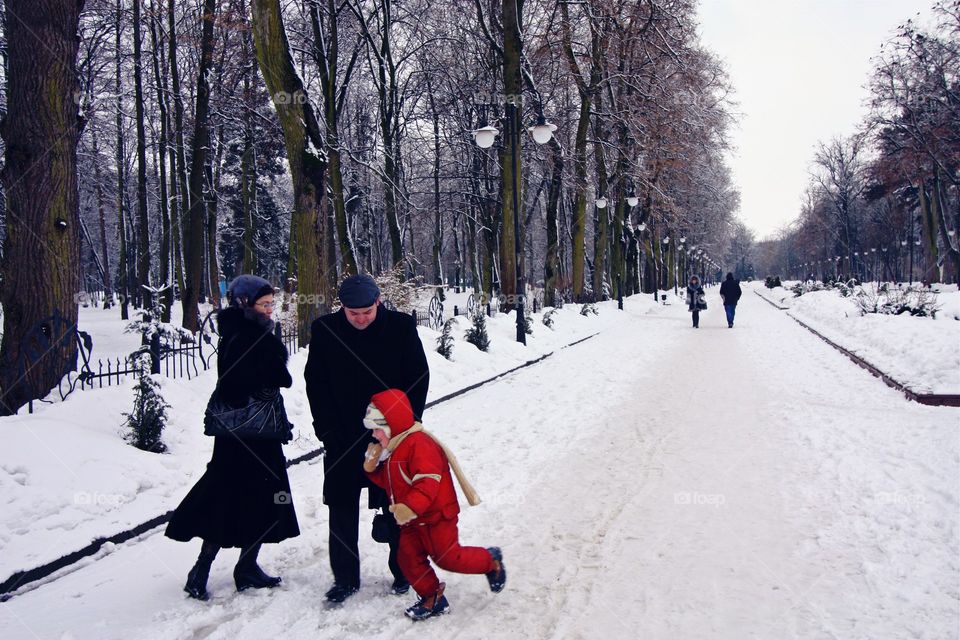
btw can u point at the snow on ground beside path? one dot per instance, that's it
(653, 482)
(921, 353)
(67, 476)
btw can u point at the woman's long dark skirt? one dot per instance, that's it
(242, 499)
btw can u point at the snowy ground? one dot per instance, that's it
(923, 354)
(654, 481)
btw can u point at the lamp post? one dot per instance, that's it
(485, 136)
(643, 254)
(902, 259)
(666, 241)
(632, 201)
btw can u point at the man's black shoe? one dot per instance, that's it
(340, 592)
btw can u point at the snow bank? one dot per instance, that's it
(921, 353)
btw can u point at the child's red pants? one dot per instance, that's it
(440, 542)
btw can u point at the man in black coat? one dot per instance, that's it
(730, 294)
(359, 351)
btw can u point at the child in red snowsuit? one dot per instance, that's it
(414, 468)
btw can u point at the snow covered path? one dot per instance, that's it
(652, 482)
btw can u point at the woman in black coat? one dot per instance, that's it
(243, 499)
(695, 300)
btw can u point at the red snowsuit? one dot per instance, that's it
(417, 474)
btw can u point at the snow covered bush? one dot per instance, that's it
(589, 308)
(393, 287)
(846, 289)
(149, 416)
(548, 318)
(149, 324)
(806, 287)
(772, 282)
(477, 334)
(445, 341)
(528, 323)
(915, 301)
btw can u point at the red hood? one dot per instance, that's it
(395, 407)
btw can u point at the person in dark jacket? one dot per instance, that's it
(695, 300)
(356, 352)
(243, 499)
(730, 293)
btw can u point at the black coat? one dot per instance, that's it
(696, 300)
(244, 495)
(345, 368)
(730, 292)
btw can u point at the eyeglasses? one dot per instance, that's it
(265, 305)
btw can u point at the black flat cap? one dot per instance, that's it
(358, 292)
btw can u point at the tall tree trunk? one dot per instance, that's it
(388, 92)
(40, 130)
(248, 192)
(930, 273)
(196, 217)
(301, 133)
(102, 214)
(437, 219)
(166, 297)
(510, 161)
(602, 220)
(180, 202)
(326, 51)
(213, 258)
(248, 162)
(950, 262)
(143, 249)
(579, 231)
(551, 264)
(123, 269)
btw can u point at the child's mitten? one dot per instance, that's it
(402, 513)
(372, 458)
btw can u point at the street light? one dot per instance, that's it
(633, 200)
(542, 132)
(485, 136)
(601, 203)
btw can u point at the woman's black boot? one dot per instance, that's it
(248, 574)
(196, 586)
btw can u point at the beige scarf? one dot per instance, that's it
(468, 489)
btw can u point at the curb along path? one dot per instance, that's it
(932, 399)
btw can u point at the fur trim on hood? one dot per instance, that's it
(232, 319)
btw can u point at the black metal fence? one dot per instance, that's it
(435, 315)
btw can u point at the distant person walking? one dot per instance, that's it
(696, 302)
(730, 293)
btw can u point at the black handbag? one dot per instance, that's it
(384, 530)
(262, 418)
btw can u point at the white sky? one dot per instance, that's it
(799, 68)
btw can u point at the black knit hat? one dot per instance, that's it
(359, 292)
(246, 289)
